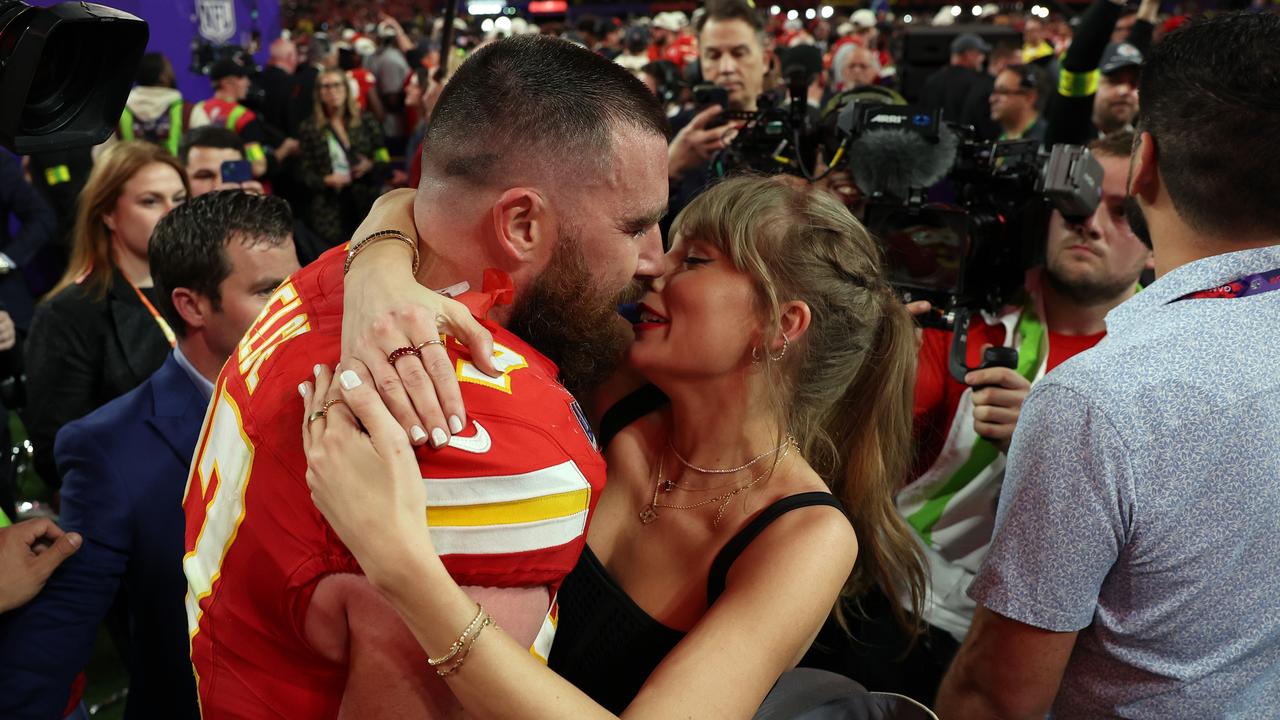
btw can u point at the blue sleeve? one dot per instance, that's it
(46, 643)
(1064, 514)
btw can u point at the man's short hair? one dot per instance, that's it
(1034, 79)
(1211, 100)
(535, 99)
(151, 70)
(1117, 144)
(722, 10)
(187, 246)
(210, 136)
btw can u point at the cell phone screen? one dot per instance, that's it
(237, 171)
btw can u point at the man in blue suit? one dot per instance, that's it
(214, 261)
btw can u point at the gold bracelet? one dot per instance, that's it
(466, 649)
(355, 249)
(462, 639)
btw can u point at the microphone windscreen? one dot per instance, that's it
(893, 162)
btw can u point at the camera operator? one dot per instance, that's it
(963, 430)
(731, 53)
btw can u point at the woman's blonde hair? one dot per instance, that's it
(844, 389)
(91, 256)
(350, 108)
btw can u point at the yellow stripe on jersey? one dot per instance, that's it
(506, 513)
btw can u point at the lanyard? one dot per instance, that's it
(1249, 285)
(164, 326)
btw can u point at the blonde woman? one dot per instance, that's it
(98, 335)
(750, 494)
(344, 160)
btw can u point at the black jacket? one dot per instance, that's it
(82, 353)
(948, 89)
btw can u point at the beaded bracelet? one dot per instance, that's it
(466, 650)
(355, 249)
(457, 644)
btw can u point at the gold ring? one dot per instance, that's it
(324, 410)
(432, 341)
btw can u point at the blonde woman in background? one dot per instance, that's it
(344, 159)
(98, 334)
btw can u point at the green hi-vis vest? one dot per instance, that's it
(127, 132)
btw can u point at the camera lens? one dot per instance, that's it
(62, 81)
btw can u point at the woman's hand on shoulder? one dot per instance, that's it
(386, 310)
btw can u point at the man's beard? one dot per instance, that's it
(565, 316)
(1086, 290)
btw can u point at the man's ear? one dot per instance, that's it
(194, 307)
(1144, 177)
(520, 223)
(793, 321)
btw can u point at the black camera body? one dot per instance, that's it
(782, 135)
(961, 220)
(65, 73)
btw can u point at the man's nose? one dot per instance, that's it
(651, 262)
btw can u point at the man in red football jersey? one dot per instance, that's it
(544, 181)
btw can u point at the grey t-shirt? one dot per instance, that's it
(1141, 505)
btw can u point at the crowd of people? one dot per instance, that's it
(681, 446)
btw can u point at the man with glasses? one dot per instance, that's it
(1015, 103)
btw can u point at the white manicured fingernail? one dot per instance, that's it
(302, 389)
(438, 437)
(349, 380)
(316, 370)
(455, 424)
(417, 434)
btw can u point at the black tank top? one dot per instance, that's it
(605, 644)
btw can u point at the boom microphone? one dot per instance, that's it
(894, 162)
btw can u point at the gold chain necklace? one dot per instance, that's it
(725, 471)
(649, 512)
(669, 485)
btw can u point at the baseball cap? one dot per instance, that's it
(227, 68)
(863, 18)
(1118, 56)
(668, 21)
(968, 41)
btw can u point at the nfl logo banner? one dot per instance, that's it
(217, 19)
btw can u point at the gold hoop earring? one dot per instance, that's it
(756, 356)
(786, 345)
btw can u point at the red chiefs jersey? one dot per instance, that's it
(509, 500)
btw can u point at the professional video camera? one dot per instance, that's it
(961, 220)
(65, 73)
(780, 136)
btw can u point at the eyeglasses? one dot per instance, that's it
(1008, 91)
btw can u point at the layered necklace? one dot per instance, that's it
(649, 513)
